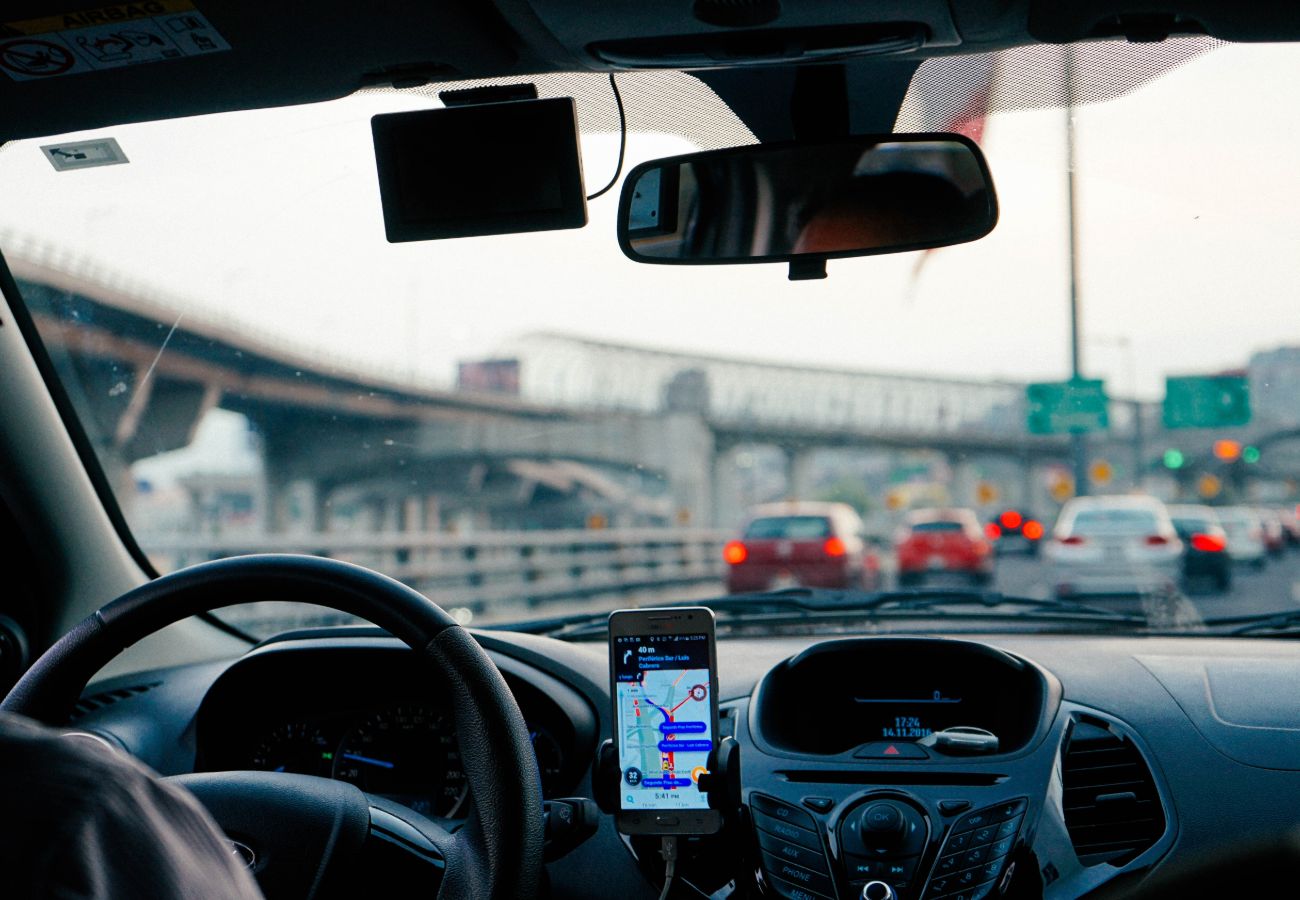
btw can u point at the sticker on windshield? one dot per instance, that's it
(106, 38)
(84, 154)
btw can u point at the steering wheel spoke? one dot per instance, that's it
(410, 848)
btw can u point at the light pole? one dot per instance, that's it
(1078, 439)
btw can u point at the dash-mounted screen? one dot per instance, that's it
(494, 168)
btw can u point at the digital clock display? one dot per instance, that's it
(907, 728)
(910, 718)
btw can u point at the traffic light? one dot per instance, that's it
(1226, 450)
(1250, 455)
(1174, 459)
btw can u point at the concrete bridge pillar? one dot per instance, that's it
(799, 473)
(688, 453)
(296, 506)
(728, 492)
(962, 487)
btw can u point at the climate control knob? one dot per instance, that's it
(882, 824)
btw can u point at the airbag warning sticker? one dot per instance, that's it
(106, 38)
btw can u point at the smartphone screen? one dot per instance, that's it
(663, 695)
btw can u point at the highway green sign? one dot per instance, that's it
(1067, 407)
(1200, 401)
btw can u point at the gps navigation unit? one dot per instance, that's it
(665, 703)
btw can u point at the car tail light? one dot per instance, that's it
(1208, 543)
(1011, 519)
(1032, 530)
(992, 531)
(735, 552)
(1157, 540)
(834, 547)
(1073, 540)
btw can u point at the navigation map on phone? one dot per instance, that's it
(665, 717)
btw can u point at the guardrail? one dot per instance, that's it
(481, 577)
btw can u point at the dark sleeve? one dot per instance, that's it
(100, 825)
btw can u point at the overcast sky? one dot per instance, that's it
(1189, 233)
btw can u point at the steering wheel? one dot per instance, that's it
(306, 834)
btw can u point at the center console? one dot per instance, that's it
(914, 768)
(896, 769)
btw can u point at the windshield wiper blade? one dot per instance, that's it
(825, 603)
(929, 599)
(793, 599)
(1282, 622)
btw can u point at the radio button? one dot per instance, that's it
(783, 811)
(798, 875)
(800, 856)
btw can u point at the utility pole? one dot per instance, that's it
(1078, 439)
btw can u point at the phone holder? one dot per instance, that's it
(721, 784)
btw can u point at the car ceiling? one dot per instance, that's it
(284, 54)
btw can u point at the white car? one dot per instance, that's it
(1114, 546)
(1247, 544)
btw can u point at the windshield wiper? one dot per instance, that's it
(803, 604)
(1285, 622)
(825, 600)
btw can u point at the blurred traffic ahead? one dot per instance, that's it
(1097, 548)
(943, 541)
(811, 544)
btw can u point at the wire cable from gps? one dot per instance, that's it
(622, 139)
(668, 850)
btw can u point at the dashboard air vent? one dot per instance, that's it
(94, 702)
(1112, 808)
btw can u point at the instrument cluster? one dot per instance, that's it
(368, 716)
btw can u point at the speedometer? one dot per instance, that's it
(294, 747)
(407, 753)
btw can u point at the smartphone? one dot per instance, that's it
(664, 679)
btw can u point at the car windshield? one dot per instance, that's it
(526, 425)
(922, 527)
(1115, 521)
(1235, 519)
(795, 528)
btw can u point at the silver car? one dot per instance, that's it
(1114, 545)
(1247, 543)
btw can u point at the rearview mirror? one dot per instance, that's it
(808, 202)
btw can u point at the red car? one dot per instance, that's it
(944, 541)
(810, 544)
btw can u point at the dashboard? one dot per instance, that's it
(1114, 757)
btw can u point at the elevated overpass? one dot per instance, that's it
(153, 374)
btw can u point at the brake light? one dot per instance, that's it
(1157, 540)
(1208, 543)
(1011, 519)
(1032, 530)
(1073, 540)
(834, 547)
(992, 531)
(735, 552)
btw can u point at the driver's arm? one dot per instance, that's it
(79, 820)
